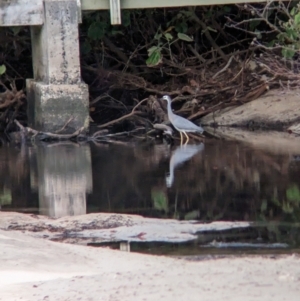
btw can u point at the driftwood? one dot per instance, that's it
(25, 131)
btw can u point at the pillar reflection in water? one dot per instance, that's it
(64, 176)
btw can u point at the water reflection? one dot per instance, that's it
(63, 178)
(224, 180)
(221, 181)
(181, 154)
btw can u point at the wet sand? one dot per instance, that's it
(34, 269)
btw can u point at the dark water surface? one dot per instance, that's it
(218, 180)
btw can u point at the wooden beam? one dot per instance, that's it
(131, 4)
(115, 12)
(29, 12)
(79, 11)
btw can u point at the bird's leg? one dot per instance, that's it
(181, 138)
(187, 138)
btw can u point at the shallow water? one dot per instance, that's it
(218, 180)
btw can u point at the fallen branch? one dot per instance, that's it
(47, 135)
(101, 135)
(132, 113)
(70, 119)
(224, 69)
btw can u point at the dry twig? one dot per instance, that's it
(47, 135)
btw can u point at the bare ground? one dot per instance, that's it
(110, 227)
(34, 269)
(277, 109)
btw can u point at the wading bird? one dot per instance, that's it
(182, 125)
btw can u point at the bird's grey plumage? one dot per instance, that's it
(181, 124)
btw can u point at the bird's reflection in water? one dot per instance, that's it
(182, 154)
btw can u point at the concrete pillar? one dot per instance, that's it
(57, 94)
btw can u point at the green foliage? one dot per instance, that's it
(254, 24)
(226, 9)
(264, 205)
(2, 69)
(164, 39)
(290, 204)
(5, 197)
(155, 58)
(181, 27)
(289, 37)
(287, 207)
(184, 37)
(180, 21)
(293, 194)
(15, 30)
(193, 215)
(278, 25)
(288, 53)
(160, 200)
(97, 30)
(168, 36)
(98, 25)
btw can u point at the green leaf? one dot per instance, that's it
(276, 201)
(115, 32)
(2, 69)
(181, 27)
(293, 194)
(168, 36)
(211, 29)
(5, 198)
(264, 205)
(208, 14)
(258, 34)
(157, 36)
(154, 59)
(160, 201)
(253, 25)
(281, 37)
(152, 49)
(293, 11)
(187, 13)
(191, 215)
(292, 33)
(97, 30)
(184, 37)
(287, 208)
(15, 29)
(227, 9)
(297, 19)
(288, 53)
